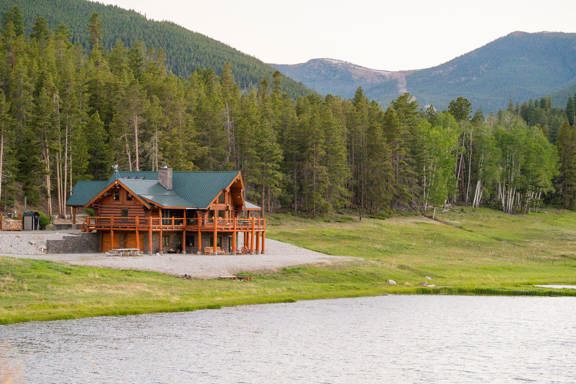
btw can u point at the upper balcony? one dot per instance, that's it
(167, 224)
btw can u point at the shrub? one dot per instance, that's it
(44, 220)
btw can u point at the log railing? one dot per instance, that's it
(95, 223)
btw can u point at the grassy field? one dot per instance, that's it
(465, 252)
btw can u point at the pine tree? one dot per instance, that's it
(333, 121)
(101, 158)
(567, 179)
(571, 110)
(7, 161)
(460, 108)
(379, 177)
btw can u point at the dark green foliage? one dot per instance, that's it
(44, 220)
(567, 181)
(571, 110)
(185, 51)
(460, 108)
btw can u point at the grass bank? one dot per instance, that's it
(466, 252)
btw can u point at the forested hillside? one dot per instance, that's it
(517, 67)
(67, 114)
(184, 50)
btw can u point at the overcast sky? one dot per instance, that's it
(393, 35)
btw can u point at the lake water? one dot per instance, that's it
(389, 339)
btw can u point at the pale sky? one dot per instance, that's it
(391, 35)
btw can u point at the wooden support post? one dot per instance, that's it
(257, 242)
(73, 215)
(161, 245)
(112, 239)
(234, 234)
(215, 240)
(262, 248)
(137, 233)
(263, 236)
(150, 245)
(199, 224)
(184, 222)
(252, 237)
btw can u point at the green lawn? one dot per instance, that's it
(468, 252)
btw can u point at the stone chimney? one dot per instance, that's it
(165, 177)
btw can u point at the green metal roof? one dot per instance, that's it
(84, 191)
(189, 189)
(153, 191)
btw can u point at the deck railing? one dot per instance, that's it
(119, 223)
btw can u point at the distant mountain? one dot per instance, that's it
(517, 67)
(343, 78)
(185, 50)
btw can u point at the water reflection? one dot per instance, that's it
(10, 370)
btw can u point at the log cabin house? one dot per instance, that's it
(171, 212)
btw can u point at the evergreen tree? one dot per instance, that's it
(101, 158)
(571, 110)
(567, 153)
(460, 108)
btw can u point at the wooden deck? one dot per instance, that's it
(157, 224)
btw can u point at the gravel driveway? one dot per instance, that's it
(278, 255)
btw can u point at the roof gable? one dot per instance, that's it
(114, 184)
(84, 191)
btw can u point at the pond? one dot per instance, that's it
(396, 339)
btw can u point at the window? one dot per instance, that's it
(124, 213)
(128, 196)
(222, 198)
(116, 195)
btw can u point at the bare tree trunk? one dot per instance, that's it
(155, 160)
(128, 154)
(459, 169)
(47, 180)
(59, 191)
(295, 175)
(424, 189)
(65, 187)
(59, 182)
(1, 162)
(70, 185)
(229, 133)
(263, 198)
(477, 194)
(136, 143)
(469, 168)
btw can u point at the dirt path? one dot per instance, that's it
(278, 255)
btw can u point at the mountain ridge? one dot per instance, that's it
(518, 66)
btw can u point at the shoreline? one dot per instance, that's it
(217, 303)
(471, 252)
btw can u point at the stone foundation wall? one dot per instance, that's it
(75, 243)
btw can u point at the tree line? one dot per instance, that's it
(68, 113)
(185, 50)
